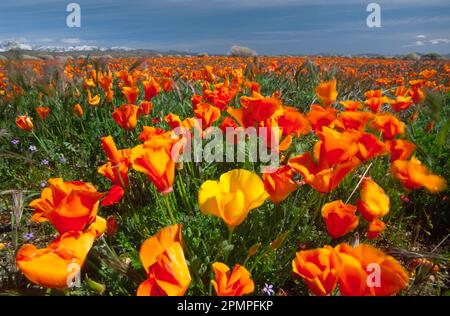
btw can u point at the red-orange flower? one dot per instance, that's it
(326, 92)
(145, 107)
(374, 202)
(207, 113)
(131, 94)
(78, 110)
(319, 268)
(340, 218)
(294, 122)
(401, 103)
(24, 122)
(154, 159)
(69, 206)
(375, 103)
(369, 146)
(323, 179)
(389, 125)
(163, 258)
(353, 120)
(256, 109)
(232, 283)
(414, 175)
(376, 227)
(126, 116)
(400, 149)
(319, 116)
(368, 271)
(43, 112)
(53, 266)
(116, 169)
(351, 105)
(151, 89)
(279, 184)
(93, 100)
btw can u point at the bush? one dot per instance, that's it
(241, 51)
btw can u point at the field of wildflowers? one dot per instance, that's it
(94, 202)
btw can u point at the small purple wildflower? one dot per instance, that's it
(28, 236)
(32, 148)
(15, 142)
(63, 159)
(44, 162)
(268, 289)
(43, 184)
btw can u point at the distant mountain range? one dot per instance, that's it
(26, 48)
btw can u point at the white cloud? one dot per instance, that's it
(439, 41)
(70, 40)
(421, 36)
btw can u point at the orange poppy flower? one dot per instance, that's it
(319, 116)
(53, 266)
(25, 122)
(417, 95)
(401, 103)
(43, 112)
(109, 95)
(145, 107)
(118, 164)
(151, 132)
(155, 245)
(279, 184)
(131, 94)
(414, 175)
(232, 283)
(114, 195)
(400, 149)
(374, 202)
(207, 113)
(336, 147)
(356, 120)
(154, 159)
(93, 101)
(375, 104)
(69, 206)
(376, 227)
(294, 122)
(369, 146)
(373, 94)
(256, 109)
(167, 84)
(78, 110)
(163, 259)
(340, 218)
(319, 268)
(351, 105)
(326, 92)
(359, 273)
(126, 116)
(389, 126)
(323, 179)
(228, 122)
(168, 276)
(221, 96)
(105, 80)
(401, 91)
(151, 89)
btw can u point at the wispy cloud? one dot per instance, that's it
(71, 40)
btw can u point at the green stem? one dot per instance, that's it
(169, 209)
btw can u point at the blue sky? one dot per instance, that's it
(269, 27)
